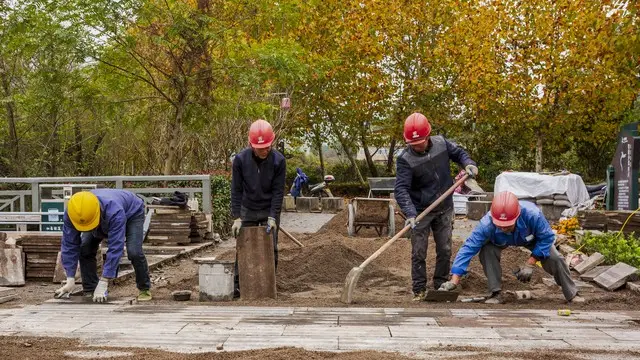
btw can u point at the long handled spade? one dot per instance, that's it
(353, 276)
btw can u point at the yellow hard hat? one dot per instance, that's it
(84, 211)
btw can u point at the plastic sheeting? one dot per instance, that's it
(525, 184)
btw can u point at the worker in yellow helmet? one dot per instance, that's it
(90, 217)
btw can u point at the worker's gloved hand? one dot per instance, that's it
(66, 290)
(271, 225)
(448, 286)
(235, 228)
(524, 273)
(102, 290)
(411, 221)
(472, 170)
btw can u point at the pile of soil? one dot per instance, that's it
(45, 348)
(324, 263)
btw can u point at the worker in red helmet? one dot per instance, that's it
(257, 186)
(423, 173)
(512, 223)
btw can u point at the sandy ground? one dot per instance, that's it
(41, 348)
(314, 275)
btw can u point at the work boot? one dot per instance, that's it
(144, 295)
(495, 298)
(419, 296)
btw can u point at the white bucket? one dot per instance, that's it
(216, 279)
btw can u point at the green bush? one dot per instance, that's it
(221, 207)
(615, 247)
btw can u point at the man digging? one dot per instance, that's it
(90, 217)
(423, 174)
(512, 223)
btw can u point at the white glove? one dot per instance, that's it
(102, 290)
(271, 225)
(66, 290)
(235, 229)
(472, 170)
(448, 286)
(411, 221)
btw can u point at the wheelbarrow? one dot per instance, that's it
(371, 213)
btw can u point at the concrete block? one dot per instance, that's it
(289, 203)
(11, 267)
(332, 204)
(591, 274)
(633, 286)
(6, 298)
(566, 249)
(308, 204)
(615, 277)
(477, 209)
(592, 261)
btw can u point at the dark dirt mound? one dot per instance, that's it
(323, 263)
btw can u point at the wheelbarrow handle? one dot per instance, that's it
(420, 217)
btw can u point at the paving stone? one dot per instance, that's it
(231, 329)
(615, 277)
(486, 322)
(239, 342)
(623, 335)
(591, 262)
(443, 332)
(593, 273)
(551, 333)
(604, 345)
(327, 331)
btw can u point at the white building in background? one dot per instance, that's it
(378, 155)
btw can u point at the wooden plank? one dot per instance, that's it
(11, 267)
(256, 264)
(615, 277)
(591, 274)
(590, 263)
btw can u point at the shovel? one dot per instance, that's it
(353, 276)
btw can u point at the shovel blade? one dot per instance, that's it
(441, 296)
(350, 284)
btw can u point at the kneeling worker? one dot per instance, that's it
(512, 223)
(90, 217)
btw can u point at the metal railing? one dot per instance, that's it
(118, 181)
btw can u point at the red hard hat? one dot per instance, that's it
(261, 134)
(416, 129)
(505, 209)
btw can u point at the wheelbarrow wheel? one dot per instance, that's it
(351, 229)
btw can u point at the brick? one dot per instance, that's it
(591, 262)
(591, 274)
(615, 277)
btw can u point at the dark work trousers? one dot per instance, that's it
(442, 226)
(256, 218)
(554, 265)
(134, 236)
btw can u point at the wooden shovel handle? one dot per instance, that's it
(420, 217)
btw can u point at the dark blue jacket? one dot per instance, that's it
(422, 178)
(116, 207)
(532, 231)
(257, 186)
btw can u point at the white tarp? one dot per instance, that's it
(525, 184)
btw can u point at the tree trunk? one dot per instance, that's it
(174, 137)
(392, 150)
(372, 167)
(538, 151)
(11, 120)
(350, 156)
(321, 156)
(54, 149)
(78, 146)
